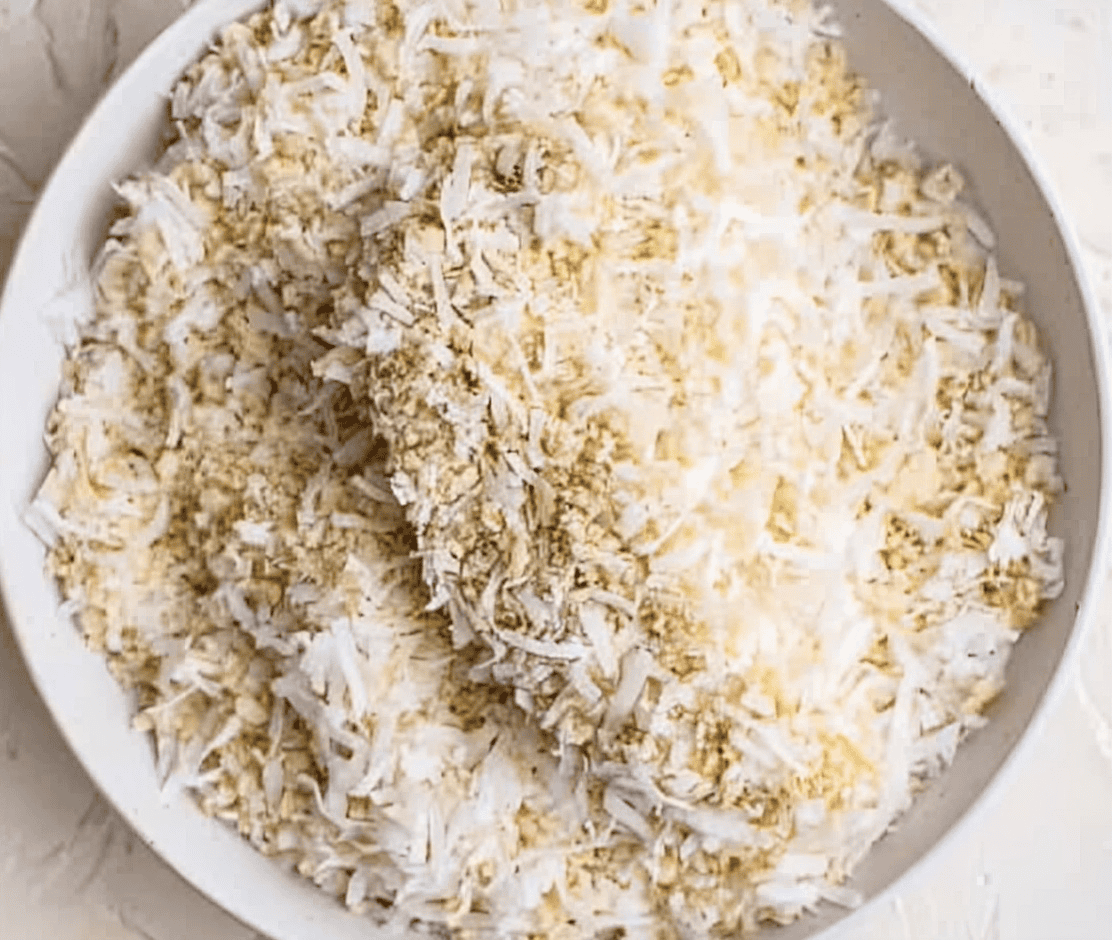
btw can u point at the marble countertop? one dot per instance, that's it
(1036, 864)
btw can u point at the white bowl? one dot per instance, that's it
(931, 100)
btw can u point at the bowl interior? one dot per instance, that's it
(931, 101)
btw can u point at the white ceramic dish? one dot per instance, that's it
(931, 100)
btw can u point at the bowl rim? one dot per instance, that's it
(203, 880)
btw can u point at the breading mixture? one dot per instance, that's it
(552, 468)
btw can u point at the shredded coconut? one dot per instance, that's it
(552, 469)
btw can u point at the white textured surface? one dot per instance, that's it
(1034, 867)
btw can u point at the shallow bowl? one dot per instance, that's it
(926, 92)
